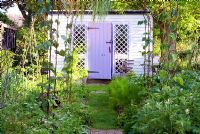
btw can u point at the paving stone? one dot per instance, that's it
(94, 131)
(98, 92)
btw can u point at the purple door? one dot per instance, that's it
(99, 50)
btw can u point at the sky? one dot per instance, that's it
(12, 10)
(14, 14)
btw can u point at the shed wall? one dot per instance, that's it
(136, 33)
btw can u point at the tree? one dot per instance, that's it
(5, 19)
(30, 8)
(173, 20)
(22, 5)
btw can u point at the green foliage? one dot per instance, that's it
(31, 52)
(179, 80)
(6, 60)
(170, 108)
(119, 92)
(156, 51)
(129, 99)
(71, 66)
(25, 114)
(11, 87)
(126, 90)
(44, 46)
(27, 117)
(127, 117)
(5, 19)
(103, 115)
(21, 116)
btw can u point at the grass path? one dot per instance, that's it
(104, 117)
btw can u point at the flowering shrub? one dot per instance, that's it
(173, 108)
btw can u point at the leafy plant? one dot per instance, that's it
(125, 91)
(119, 92)
(6, 57)
(170, 108)
(5, 19)
(11, 87)
(25, 115)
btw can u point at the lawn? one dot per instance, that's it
(103, 116)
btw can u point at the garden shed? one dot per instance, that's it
(7, 37)
(110, 45)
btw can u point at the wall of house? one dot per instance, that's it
(1, 35)
(136, 33)
(7, 37)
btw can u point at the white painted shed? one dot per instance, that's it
(107, 44)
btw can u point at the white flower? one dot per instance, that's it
(187, 111)
(167, 101)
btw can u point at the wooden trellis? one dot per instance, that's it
(121, 45)
(80, 43)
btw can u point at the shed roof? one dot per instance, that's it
(88, 12)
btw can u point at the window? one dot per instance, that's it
(79, 39)
(81, 64)
(80, 44)
(121, 38)
(121, 45)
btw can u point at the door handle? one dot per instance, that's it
(108, 41)
(109, 49)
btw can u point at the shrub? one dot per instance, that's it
(172, 110)
(22, 112)
(11, 87)
(126, 90)
(6, 60)
(170, 107)
(26, 116)
(126, 118)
